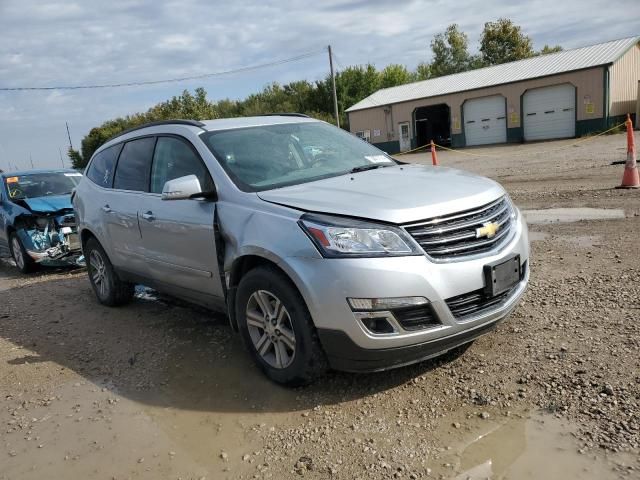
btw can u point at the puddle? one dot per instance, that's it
(527, 449)
(566, 215)
(230, 403)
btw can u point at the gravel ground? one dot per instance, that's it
(159, 389)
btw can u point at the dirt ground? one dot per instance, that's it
(161, 390)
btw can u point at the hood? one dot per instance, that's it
(49, 204)
(399, 194)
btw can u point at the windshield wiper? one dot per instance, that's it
(364, 168)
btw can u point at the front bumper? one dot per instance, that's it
(53, 257)
(58, 255)
(326, 284)
(344, 354)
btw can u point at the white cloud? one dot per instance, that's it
(177, 42)
(56, 97)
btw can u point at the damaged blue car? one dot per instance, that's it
(37, 222)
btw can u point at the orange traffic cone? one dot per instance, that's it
(630, 179)
(434, 155)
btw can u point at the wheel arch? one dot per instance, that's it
(247, 262)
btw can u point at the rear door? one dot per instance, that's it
(178, 235)
(121, 204)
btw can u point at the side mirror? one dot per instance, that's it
(184, 188)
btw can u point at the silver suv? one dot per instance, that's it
(322, 250)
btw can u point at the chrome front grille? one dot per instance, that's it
(458, 234)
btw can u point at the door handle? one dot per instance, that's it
(148, 216)
(107, 209)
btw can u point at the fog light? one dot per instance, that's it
(372, 304)
(378, 325)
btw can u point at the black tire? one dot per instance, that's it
(23, 261)
(308, 361)
(109, 290)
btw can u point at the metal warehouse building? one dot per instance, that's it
(559, 95)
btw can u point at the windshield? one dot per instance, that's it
(41, 184)
(272, 156)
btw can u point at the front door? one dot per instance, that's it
(178, 235)
(405, 138)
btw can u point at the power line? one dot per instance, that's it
(171, 80)
(335, 59)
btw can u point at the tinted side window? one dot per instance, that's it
(174, 158)
(134, 165)
(101, 169)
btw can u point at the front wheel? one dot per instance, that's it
(23, 261)
(277, 328)
(106, 284)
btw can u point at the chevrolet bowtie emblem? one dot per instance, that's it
(488, 230)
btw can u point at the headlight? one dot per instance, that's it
(340, 237)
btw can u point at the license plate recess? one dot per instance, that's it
(502, 275)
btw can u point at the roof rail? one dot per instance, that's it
(283, 115)
(193, 123)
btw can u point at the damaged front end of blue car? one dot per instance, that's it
(50, 238)
(37, 221)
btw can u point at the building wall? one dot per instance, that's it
(589, 102)
(373, 119)
(624, 76)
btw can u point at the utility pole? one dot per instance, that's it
(61, 160)
(333, 84)
(68, 134)
(31, 160)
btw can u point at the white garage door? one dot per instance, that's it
(549, 112)
(485, 121)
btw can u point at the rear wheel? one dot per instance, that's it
(277, 328)
(23, 261)
(107, 286)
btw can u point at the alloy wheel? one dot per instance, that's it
(17, 252)
(271, 329)
(98, 272)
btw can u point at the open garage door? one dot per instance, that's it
(485, 120)
(432, 123)
(549, 112)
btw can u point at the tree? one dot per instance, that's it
(192, 106)
(76, 159)
(502, 41)
(547, 49)
(186, 105)
(394, 75)
(450, 52)
(352, 85)
(423, 71)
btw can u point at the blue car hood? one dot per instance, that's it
(49, 204)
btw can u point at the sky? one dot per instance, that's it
(51, 43)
